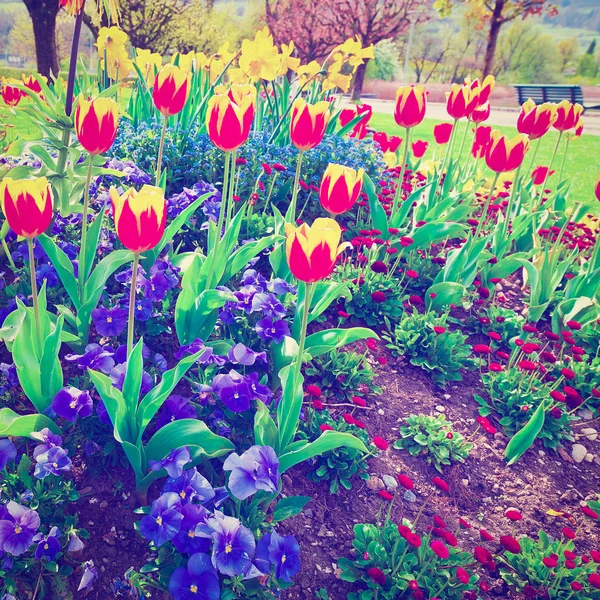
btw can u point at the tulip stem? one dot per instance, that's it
(308, 293)
(161, 146)
(11, 262)
(486, 206)
(511, 200)
(230, 191)
(131, 319)
(562, 164)
(535, 151)
(34, 293)
(292, 209)
(398, 196)
(449, 147)
(464, 139)
(82, 273)
(543, 186)
(224, 196)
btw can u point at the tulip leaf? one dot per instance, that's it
(378, 216)
(440, 295)
(64, 268)
(265, 430)
(15, 425)
(91, 249)
(331, 339)
(328, 440)
(524, 438)
(290, 405)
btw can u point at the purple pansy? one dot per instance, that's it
(174, 409)
(160, 362)
(186, 541)
(207, 357)
(173, 463)
(242, 355)
(254, 278)
(156, 287)
(164, 520)
(269, 329)
(244, 298)
(49, 440)
(269, 305)
(54, 462)
(190, 487)
(117, 376)
(75, 543)
(198, 581)
(71, 403)
(109, 322)
(280, 287)
(259, 391)
(233, 547)
(233, 391)
(48, 547)
(283, 552)
(143, 309)
(96, 357)
(8, 452)
(17, 528)
(256, 469)
(102, 413)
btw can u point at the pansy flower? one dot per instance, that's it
(197, 581)
(109, 322)
(256, 469)
(96, 357)
(233, 547)
(18, 528)
(8, 452)
(175, 408)
(70, 403)
(48, 547)
(54, 462)
(269, 329)
(173, 463)
(233, 391)
(242, 355)
(283, 552)
(187, 541)
(164, 521)
(190, 487)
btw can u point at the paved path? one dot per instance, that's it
(498, 116)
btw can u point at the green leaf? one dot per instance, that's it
(187, 432)
(331, 339)
(445, 293)
(91, 249)
(328, 440)
(132, 384)
(115, 405)
(290, 405)
(51, 375)
(13, 424)
(265, 430)
(523, 439)
(243, 255)
(289, 507)
(64, 268)
(378, 216)
(155, 398)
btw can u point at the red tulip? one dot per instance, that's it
(442, 132)
(27, 205)
(411, 105)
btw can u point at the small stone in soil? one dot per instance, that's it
(375, 484)
(578, 452)
(409, 496)
(390, 482)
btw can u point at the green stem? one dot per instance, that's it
(464, 139)
(308, 293)
(230, 190)
(82, 272)
(449, 147)
(562, 164)
(543, 186)
(131, 319)
(295, 191)
(34, 292)
(224, 194)
(398, 196)
(11, 262)
(486, 207)
(511, 200)
(535, 151)
(161, 146)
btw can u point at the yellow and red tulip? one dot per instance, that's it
(567, 115)
(33, 84)
(461, 100)
(481, 113)
(481, 141)
(96, 124)
(411, 105)
(597, 190)
(10, 94)
(503, 154)
(340, 188)
(535, 120)
(308, 123)
(27, 205)
(485, 89)
(73, 7)
(312, 251)
(230, 115)
(171, 90)
(140, 217)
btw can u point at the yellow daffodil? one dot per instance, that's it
(111, 42)
(260, 58)
(148, 62)
(216, 63)
(119, 65)
(286, 61)
(184, 61)
(308, 72)
(335, 79)
(353, 53)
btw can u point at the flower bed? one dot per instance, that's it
(246, 342)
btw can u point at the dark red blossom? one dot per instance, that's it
(440, 549)
(378, 297)
(513, 515)
(462, 575)
(380, 443)
(511, 544)
(349, 419)
(405, 481)
(386, 495)
(488, 537)
(482, 349)
(588, 512)
(313, 390)
(377, 575)
(441, 484)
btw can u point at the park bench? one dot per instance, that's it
(551, 93)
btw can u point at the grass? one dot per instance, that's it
(581, 165)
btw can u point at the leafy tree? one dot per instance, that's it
(569, 50)
(316, 27)
(493, 14)
(386, 65)
(43, 15)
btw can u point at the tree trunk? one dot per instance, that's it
(359, 79)
(43, 18)
(496, 23)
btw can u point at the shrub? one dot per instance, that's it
(424, 340)
(433, 438)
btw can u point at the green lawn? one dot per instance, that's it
(582, 164)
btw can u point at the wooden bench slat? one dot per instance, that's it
(551, 93)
